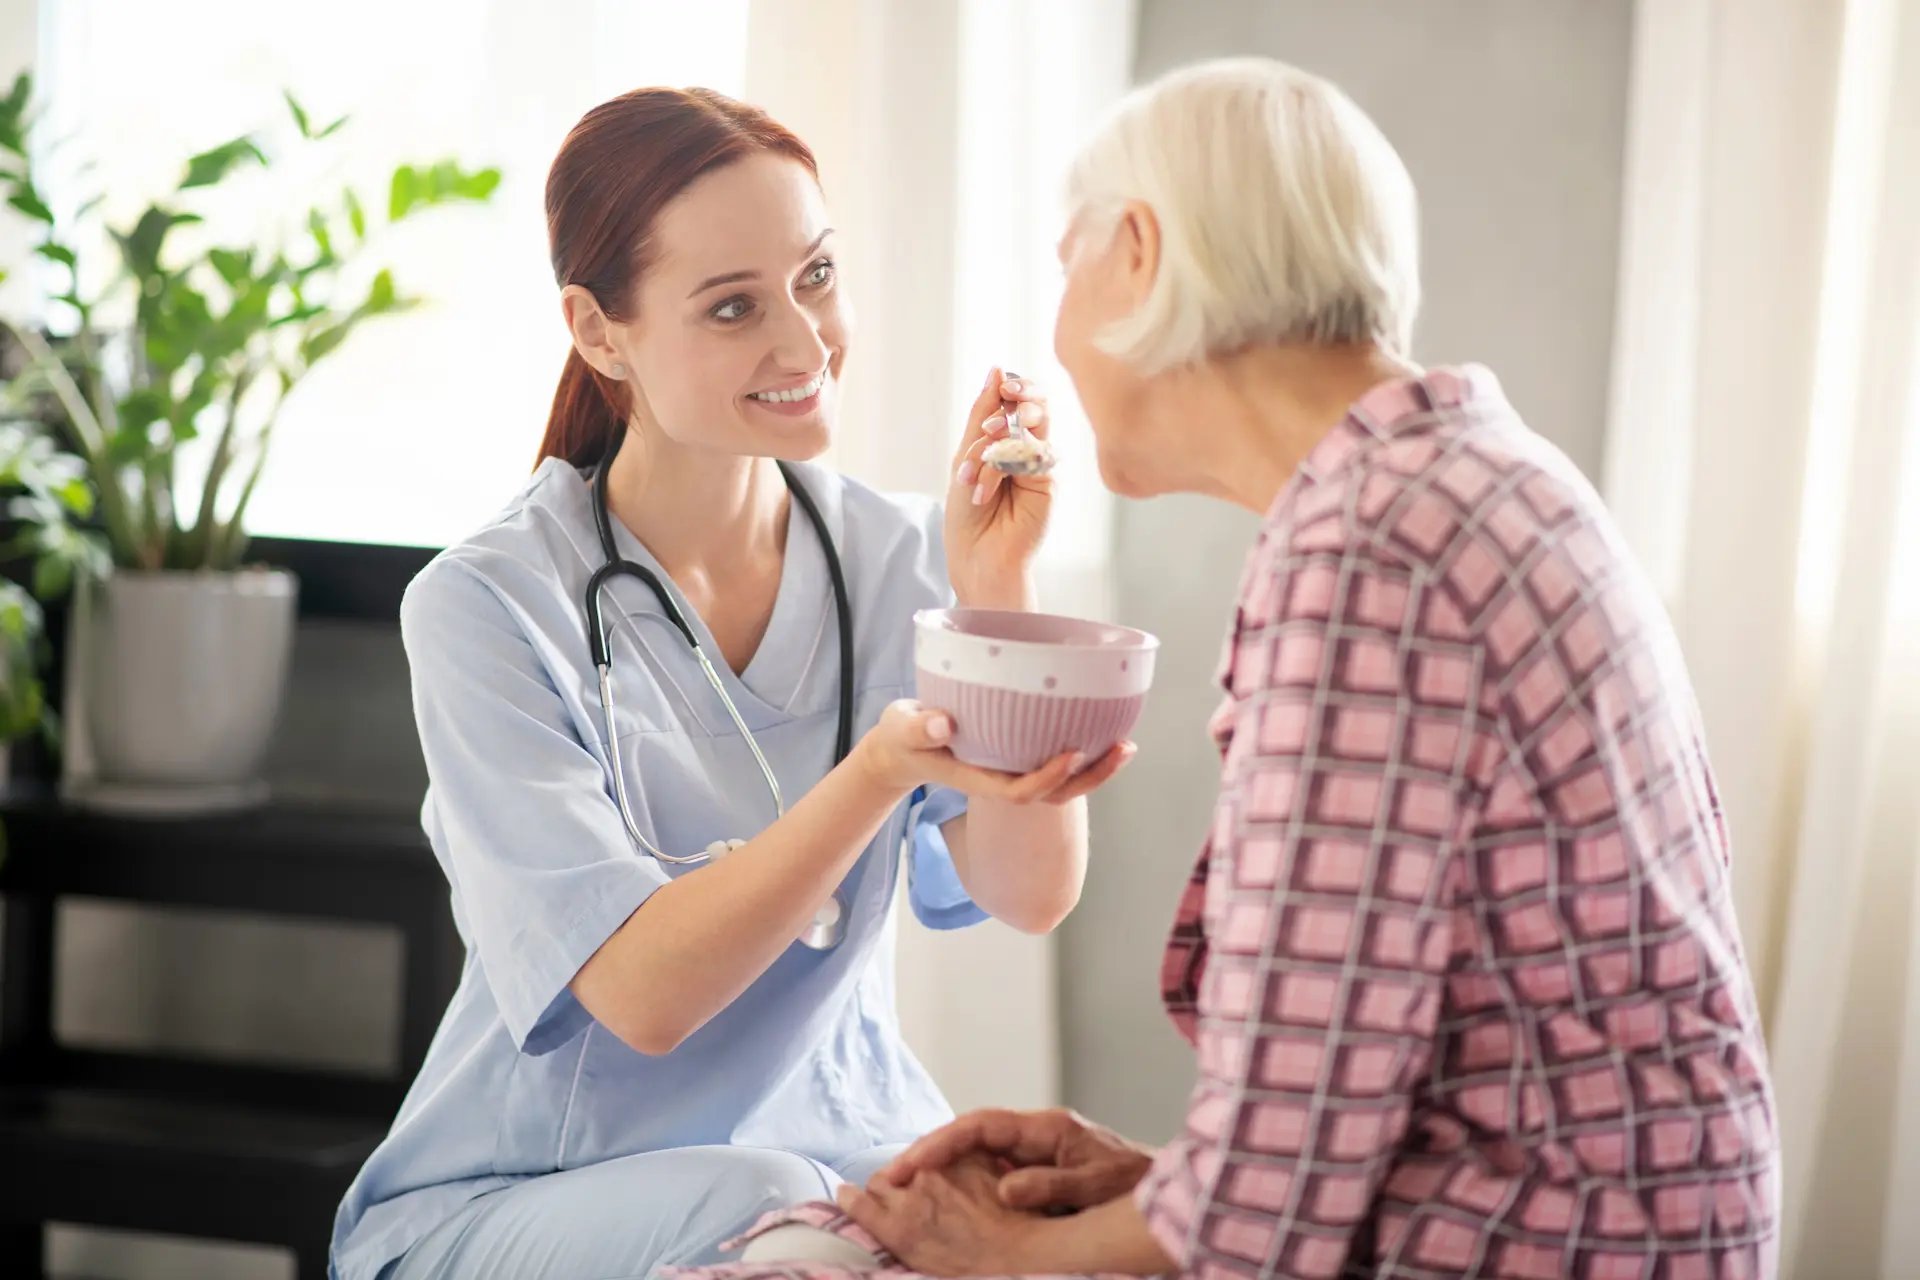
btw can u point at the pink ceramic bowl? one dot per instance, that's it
(1024, 687)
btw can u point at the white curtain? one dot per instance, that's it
(1764, 459)
(943, 130)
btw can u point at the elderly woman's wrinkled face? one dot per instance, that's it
(1100, 289)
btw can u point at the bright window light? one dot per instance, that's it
(423, 424)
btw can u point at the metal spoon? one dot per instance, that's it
(1020, 452)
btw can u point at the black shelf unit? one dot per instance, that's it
(194, 1146)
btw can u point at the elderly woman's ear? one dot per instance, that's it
(1136, 240)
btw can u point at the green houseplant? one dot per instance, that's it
(139, 420)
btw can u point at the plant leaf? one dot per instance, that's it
(439, 183)
(51, 577)
(331, 129)
(13, 115)
(129, 445)
(210, 167)
(324, 341)
(299, 113)
(296, 316)
(381, 296)
(233, 265)
(140, 408)
(55, 253)
(481, 185)
(317, 224)
(141, 246)
(28, 202)
(76, 495)
(404, 191)
(356, 216)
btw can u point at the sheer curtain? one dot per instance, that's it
(1765, 461)
(943, 134)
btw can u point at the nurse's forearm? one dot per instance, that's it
(702, 939)
(1021, 864)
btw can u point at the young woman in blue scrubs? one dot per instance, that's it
(640, 1059)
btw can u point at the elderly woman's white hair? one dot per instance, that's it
(1285, 215)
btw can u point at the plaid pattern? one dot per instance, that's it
(1459, 959)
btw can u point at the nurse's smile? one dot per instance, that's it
(794, 399)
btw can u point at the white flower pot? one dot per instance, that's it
(185, 674)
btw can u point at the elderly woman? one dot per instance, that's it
(1459, 959)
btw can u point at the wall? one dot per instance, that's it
(1511, 116)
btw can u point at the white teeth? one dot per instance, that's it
(797, 393)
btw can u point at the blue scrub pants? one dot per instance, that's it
(620, 1219)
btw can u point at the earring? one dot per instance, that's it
(619, 372)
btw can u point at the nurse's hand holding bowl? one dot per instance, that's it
(674, 777)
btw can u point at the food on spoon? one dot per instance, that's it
(1019, 455)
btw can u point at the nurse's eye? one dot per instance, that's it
(822, 273)
(732, 310)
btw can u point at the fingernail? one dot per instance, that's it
(939, 728)
(969, 471)
(1030, 414)
(991, 375)
(1011, 386)
(980, 493)
(1078, 762)
(995, 425)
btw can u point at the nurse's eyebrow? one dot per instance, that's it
(735, 277)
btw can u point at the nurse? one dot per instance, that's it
(646, 1052)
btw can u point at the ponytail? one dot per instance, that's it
(586, 420)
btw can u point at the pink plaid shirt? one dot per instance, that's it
(1459, 958)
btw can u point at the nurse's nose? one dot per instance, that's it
(798, 346)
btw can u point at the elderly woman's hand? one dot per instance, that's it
(946, 1222)
(995, 521)
(1059, 1159)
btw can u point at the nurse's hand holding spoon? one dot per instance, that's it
(996, 519)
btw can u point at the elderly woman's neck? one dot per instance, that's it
(1267, 407)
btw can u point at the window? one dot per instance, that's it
(422, 425)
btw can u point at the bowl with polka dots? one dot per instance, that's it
(1024, 687)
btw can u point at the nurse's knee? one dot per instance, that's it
(775, 1179)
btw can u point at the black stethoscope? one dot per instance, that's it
(829, 924)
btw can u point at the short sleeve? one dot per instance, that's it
(939, 900)
(534, 846)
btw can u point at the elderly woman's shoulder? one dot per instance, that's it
(1428, 497)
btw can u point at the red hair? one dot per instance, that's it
(618, 168)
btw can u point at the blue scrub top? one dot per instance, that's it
(520, 1081)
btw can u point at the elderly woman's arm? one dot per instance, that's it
(1329, 910)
